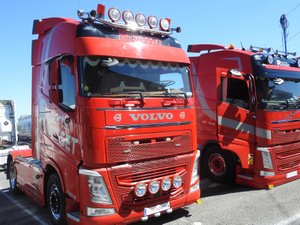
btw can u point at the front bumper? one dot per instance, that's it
(133, 216)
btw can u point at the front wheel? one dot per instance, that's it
(219, 165)
(56, 201)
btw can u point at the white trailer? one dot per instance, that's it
(8, 130)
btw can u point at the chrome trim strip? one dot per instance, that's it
(135, 126)
(141, 109)
(74, 216)
(285, 121)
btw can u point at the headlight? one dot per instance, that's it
(195, 173)
(177, 181)
(140, 189)
(153, 187)
(97, 187)
(166, 184)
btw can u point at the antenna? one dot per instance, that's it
(284, 24)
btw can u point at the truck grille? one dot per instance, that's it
(124, 179)
(287, 157)
(137, 147)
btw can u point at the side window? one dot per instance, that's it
(235, 91)
(67, 82)
(46, 80)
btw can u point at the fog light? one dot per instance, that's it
(166, 184)
(153, 187)
(177, 182)
(140, 189)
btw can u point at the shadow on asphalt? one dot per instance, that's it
(210, 188)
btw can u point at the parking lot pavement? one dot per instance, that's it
(222, 205)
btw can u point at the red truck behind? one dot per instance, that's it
(248, 116)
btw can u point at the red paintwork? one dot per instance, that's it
(85, 141)
(256, 128)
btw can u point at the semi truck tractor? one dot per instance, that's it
(113, 120)
(248, 120)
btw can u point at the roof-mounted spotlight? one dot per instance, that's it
(128, 17)
(152, 22)
(114, 14)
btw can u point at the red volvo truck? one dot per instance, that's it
(248, 120)
(113, 120)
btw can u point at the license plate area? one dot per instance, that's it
(157, 208)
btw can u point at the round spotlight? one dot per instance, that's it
(128, 16)
(114, 14)
(140, 19)
(164, 24)
(152, 21)
(298, 62)
(166, 184)
(270, 59)
(140, 189)
(177, 181)
(153, 187)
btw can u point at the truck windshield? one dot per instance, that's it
(278, 93)
(106, 76)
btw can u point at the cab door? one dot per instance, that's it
(236, 113)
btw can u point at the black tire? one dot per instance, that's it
(219, 165)
(11, 175)
(56, 201)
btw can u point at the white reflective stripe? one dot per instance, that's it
(238, 125)
(262, 149)
(89, 173)
(263, 133)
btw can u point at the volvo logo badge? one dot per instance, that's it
(118, 117)
(182, 115)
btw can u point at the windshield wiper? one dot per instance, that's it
(185, 98)
(139, 93)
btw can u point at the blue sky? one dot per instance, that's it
(249, 22)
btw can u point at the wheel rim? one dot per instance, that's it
(12, 180)
(54, 200)
(217, 164)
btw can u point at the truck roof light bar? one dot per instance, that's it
(130, 22)
(281, 53)
(259, 49)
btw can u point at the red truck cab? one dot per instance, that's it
(113, 120)
(248, 119)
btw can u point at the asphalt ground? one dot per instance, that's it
(222, 205)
